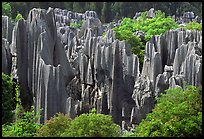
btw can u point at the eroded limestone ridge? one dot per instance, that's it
(69, 70)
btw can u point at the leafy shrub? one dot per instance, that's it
(92, 125)
(8, 99)
(150, 26)
(178, 113)
(193, 26)
(6, 9)
(22, 127)
(124, 33)
(19, 17)
(55, 126)
(25, 122)
(154, 26)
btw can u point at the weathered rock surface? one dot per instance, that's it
(7, 28)
(43, 68)
(6, 57)
(170, 60)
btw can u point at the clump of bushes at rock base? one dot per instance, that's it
(92, 125)
(178, 113)
(25, 126)
(55, 126)
(85, 125)
(8, 99)
(16, 121)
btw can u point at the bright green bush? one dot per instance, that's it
(178, 113)
(150, 26)
(92, 125)
(193, 26)
(55, 126)
(19, 17)
(126, 32)
(154, 26)
(25, 126)
(8, 99)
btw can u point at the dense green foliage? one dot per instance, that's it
(6, 9)
(111, 10)
(92, 125)
(150, 26)
(154, 26)
(25, 126)
(178, 113)
(55, 126)
(8, 99)
(193, 26)
(124, 32)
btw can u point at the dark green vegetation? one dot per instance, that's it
(107, 11)
(8, 99)
(16, 121)
(178, 113)
(24, 126)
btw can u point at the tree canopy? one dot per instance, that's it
(113, 10)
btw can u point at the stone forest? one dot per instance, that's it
(139, 76)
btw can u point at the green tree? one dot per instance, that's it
(6, 9)
(193, 26)
(155, 26)
(104, 12)
(68, 6)
(25, 121)
(8, 99)
(78, 7)
(92, 125)
(178, 113)
(115, 10)
(55, 126)
(24, 126)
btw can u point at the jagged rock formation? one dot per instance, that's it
(170, 60)
(6, 57)
(188, 17)
(7, 27)
(69, 70)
